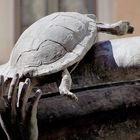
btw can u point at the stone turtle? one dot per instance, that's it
(56, 42)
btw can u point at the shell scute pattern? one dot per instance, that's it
(53, 43)
(44, 55)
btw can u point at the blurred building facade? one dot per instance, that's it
(17, 15)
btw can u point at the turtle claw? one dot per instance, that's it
(72, 96)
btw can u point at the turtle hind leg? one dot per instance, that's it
(65, 85)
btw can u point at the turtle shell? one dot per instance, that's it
(52, 44)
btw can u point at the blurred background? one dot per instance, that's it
(17, 15)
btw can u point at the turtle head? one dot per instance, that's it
(130, 29)
(124, 27)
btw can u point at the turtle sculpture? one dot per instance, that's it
(56, 42)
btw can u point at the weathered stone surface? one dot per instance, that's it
(121, 124)
(100, 113)
(100, 98)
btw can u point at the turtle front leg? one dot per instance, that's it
(118, 28)
(65, 85)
